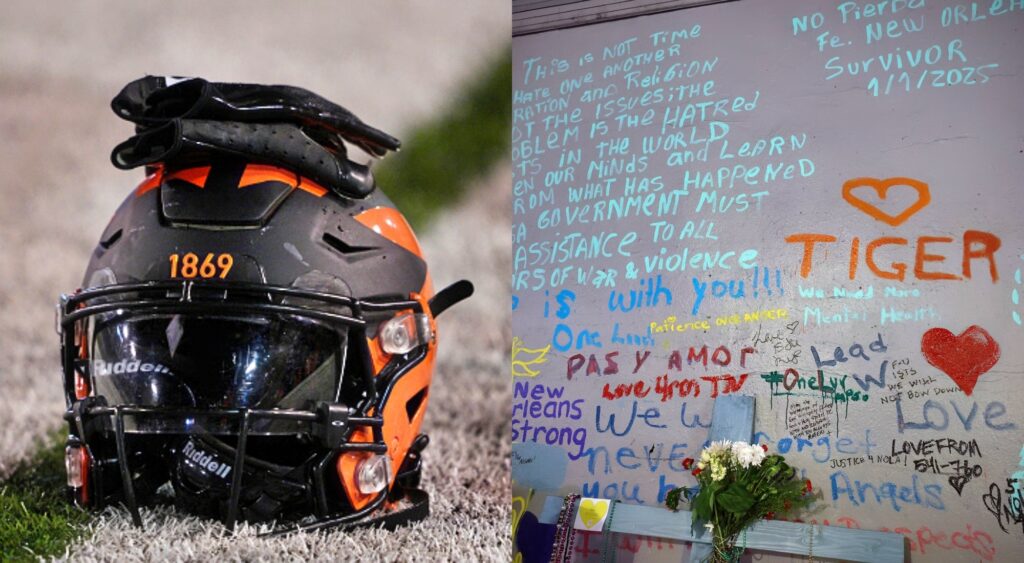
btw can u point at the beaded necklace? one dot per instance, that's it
(608, 550)
(564, 532)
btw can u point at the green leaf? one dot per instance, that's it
(672, 498)
(702, 506)
(736, 499)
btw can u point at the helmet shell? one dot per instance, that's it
(276, 226)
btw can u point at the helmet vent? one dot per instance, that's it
(106, 244)
(414, 404)
(343, 247)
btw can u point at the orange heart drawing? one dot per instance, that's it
(881, 187)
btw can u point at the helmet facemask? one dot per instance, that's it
(190, 382)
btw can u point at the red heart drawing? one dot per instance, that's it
(963, 358)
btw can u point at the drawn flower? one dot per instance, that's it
(688, 463)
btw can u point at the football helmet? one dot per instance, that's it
(256, 327)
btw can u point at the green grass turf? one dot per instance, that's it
(440, 160)
(35, 519)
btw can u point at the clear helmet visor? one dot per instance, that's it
(205, 361)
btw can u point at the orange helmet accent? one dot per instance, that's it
(254, 174)
(259, 173)
(403, 413)
(377, 355)
(348, 464)
(403, 416)
(150, 182)
(81, 386)
(86, 464)
(312, 187)
(195, 176)
(390, 224)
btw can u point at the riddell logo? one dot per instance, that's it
(205, 460)
(100, 367)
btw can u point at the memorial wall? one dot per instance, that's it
(818, 204)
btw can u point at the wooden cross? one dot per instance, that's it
(733, 419)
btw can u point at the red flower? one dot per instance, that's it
(807, 486)
(769, 516)
(688, 463)
(787, 505)
(765, 447)
(696, 472)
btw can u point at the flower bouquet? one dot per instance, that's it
(739, 484)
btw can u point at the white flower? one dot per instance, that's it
(710, 527)
(747, 454)
(720, 448)
(745, 457)
(758, 455)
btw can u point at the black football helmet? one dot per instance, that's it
(256, 327)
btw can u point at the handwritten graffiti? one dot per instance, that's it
(976, 245)
(928, 457)
(855, 350)
(737, 288)
(651, 417)
(935, 416)
(825, 447)
(783, 345)
(585, 545)
(538, 401)
(1006, 510)
(886, 493)
(721, 356)
(672, 324)
(651, 293)
(832, 388)
(923, 538)
(809, 418)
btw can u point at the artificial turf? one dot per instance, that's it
(35, 519)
